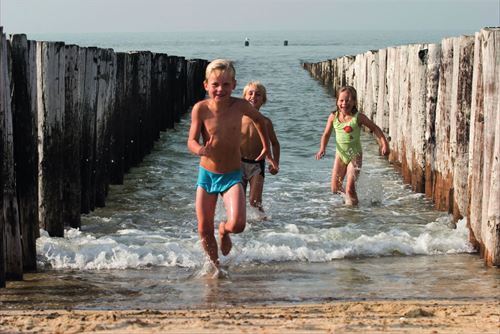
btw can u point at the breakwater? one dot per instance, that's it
(439, 105)
(74, 120)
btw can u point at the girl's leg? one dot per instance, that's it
(234, 202)
(353, 170)
(205, 212)
(338, 174)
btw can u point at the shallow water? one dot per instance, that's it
(417, 277)
(142, 249)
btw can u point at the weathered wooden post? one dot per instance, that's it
(24, 109)
(159, 92)
(393, 99)
(180, 89)
(4, 93)
(415, 143)
(172, 93)
(50, 72)
(382, 114)
(197, 78)
(117, 142)
(87, 148)
(443, 171)
(74, 75)
(9, 218)
(106, 77)
(484, 149)
(371, 90)
(138, 124)
(432, 85)
(400, 117)
(461, 95)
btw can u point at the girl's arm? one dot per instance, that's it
(325, 137)
(379, 134)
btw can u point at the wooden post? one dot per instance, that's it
(371, 90)
(171, 97)
(415, 144)
(180, 89)
(461, 95)
(117, 142)
(159, 92)
(87, 149)
(9, 216)
(139, 121)
(72, 195)
(393, 100)
(432, 85)
(50, 71)
(196, 77)
(24, 109)
(486, 99)
(382, 115)
(4, 94)
(106, 84)
(401, 117)
(443, 171)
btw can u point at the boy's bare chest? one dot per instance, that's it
(224, 123)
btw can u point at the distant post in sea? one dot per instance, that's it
(285, 43)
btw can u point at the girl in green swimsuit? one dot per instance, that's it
(347, 122)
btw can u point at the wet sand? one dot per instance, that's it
(413, 316)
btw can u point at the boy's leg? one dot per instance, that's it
(234, 202)
(205, 213)
(256, 189)
(353, 170)
(338, 173)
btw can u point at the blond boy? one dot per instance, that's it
(218, 120)
(252, 168)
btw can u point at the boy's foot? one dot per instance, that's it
(225, 240)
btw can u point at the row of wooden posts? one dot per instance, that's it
(440, 106)
(73, 120)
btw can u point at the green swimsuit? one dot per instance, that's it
(347, 138)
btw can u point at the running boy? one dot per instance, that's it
(347, 121)
(253, 169)
(218, 120)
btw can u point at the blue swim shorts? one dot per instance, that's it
(216, 183)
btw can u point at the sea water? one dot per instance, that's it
(142, 250)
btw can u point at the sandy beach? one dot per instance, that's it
(432, 316)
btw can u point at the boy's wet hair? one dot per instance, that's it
(221, 65)
(260, 87)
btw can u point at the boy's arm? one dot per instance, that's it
(275, 145)
(379, 134)
(194, 134)
(260, 124)
(325, 137)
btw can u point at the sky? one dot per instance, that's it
(80, 16)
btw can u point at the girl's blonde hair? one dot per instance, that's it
(259, 86)
(352, 91)
(221, 65)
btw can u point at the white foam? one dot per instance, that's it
(132, 248)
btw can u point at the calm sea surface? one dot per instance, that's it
(142, 249)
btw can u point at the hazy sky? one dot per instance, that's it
(31, 16)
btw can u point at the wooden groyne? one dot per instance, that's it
(74, 120)
(440, 106)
